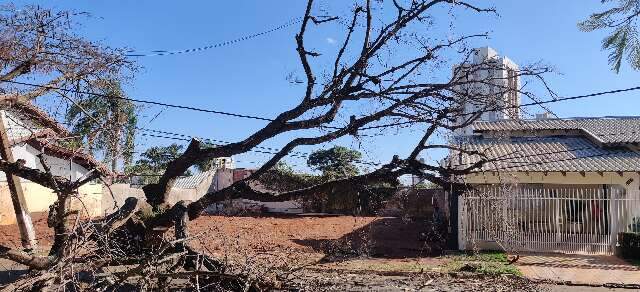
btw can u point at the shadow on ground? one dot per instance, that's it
(389, 237)
(10, 271)
(576, 262)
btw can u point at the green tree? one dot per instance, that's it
(205, 164)
(106, 126)
(334, 162)
(426, 185)
(622, 42)
(283, 178)
(154, 161)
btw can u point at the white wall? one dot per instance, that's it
(59, 167)
(18, 127)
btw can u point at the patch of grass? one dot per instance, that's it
(483, 256)
(384, 266)
(485, 262)
(489, 268)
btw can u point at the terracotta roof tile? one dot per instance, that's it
(35, 113)
(610, 130)
(555, 154)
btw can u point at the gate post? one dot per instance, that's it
(454, 240)
(614, 198)
(462, 243)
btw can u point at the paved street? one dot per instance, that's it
(579, 269)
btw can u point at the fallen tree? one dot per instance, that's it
(398, 90)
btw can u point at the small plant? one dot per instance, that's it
(486, 262)
(629, 245)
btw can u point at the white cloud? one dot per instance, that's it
(331, 41)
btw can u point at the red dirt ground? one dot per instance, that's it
(10, 234)
(390, 237)
(385, 237)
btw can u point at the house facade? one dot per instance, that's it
(562, 185)
(32, 132)
(548, 184)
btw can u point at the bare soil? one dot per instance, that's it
(336, 253)
(10, 234)
(371, 236)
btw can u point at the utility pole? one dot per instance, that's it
(23, 217)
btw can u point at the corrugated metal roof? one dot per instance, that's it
(193, 181)
(540, 154)
(609, 130)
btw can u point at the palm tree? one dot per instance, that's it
(105, 124)
(621, 22)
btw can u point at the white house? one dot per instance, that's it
(568, 185)
(560, 185)
(31, 131)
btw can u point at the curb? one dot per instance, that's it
(463, 275)
(580, 284)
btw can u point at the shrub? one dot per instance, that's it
(629, 245)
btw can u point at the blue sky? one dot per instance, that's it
(250, 77)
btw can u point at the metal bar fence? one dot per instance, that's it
(584, 220)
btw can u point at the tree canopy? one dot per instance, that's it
(154, 161)
(43, 44)
(337, 161)
(106, 126)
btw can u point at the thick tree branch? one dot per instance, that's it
(34, 175)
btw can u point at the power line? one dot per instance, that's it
(293, 154)
(216, 141)
(331, 127)
(269, 119)
(506, 158)
(518, 106)
(143, 101)
(213, 46)
(210, 140)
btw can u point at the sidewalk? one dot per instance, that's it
(579, 269)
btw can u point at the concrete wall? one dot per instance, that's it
(222, 179)
(114, 196)
(121, 192)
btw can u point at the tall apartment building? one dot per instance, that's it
(223, 162)
(493, 83)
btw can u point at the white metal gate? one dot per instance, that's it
(526, 218)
